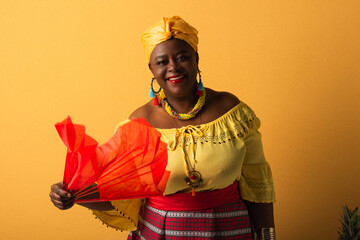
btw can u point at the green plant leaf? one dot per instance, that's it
(350, 224)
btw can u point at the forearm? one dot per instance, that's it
(100, 206)
(261, 215)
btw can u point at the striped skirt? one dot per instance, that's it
(229, 221)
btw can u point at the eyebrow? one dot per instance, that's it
(161, 56)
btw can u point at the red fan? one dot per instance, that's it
(130, 165)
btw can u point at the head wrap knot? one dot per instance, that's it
(167, 28)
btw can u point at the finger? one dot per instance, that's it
(57, 202)
(61, 207)
(69, 205)
(55, 196)
(63, 193)
(59, 191)
(63, 204)
(59, 198)
(55, 186)
(66, 205)
(68, 201)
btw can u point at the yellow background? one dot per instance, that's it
(296, 63)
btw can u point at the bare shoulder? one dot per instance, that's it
(153, 114)
(217, 104)
(142, 112)
(223, 100)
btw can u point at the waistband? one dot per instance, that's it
(201, 200)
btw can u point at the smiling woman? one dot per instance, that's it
(220, 185)
(174, 65)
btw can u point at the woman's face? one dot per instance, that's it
(174, 64)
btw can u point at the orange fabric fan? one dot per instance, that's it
(130, 165)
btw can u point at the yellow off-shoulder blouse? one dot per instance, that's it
(227, 149)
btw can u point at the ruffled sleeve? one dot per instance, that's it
(124, 217)
(256, 183)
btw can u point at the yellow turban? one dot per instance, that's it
(167, 28)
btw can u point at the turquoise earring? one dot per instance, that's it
(201, 86)
(152, 92)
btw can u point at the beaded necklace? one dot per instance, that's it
(182, 116)
(193, 178)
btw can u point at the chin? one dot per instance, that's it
(180, 93)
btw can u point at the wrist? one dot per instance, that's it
(267, 233)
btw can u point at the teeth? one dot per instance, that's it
(175, 78)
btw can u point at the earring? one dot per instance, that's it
(200, 86)
(152, 92)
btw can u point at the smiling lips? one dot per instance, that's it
(175, 79)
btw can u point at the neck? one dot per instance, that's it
(183, 104)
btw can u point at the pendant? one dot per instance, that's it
(194, 179)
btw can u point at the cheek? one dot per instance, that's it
(192, 69)
(158, 73)
(192, 66)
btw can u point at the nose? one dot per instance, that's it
(173, 65)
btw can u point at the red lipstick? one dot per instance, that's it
(175, 79)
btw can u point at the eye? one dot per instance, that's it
(161, 62)
(182, 58)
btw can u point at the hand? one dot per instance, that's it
(61, 198)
